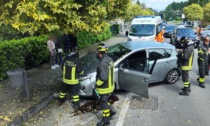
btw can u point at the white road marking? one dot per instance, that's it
(124, 110)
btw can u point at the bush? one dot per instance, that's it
(25, 53)
(85, 38)
(115, 29)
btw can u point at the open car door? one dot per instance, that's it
(134, 76)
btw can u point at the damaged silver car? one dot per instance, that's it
(136, 65)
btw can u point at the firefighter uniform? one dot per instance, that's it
(186, 60)
(203, 57)
(71, 69)
(105, 84)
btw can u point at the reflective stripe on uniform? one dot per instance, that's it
(106, 113)
(62, 95)
(189, 66)
(99, 82)
(186, 84)
(201, 80)
(76, 98)
(72, 80)
(81, 72)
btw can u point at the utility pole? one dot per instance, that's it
(198, 2)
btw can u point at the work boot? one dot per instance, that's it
(61, 101)
(105, 121)
(188, 89)
(184, 92)
(201, 85)
(76, 106)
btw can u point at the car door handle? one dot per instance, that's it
(144, 79)
(166, 63)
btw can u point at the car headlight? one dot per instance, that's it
(129, 39)
(197, 38)
(178, 39)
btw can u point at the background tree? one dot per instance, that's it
(201, 2)
(206, 12)
(193, 12)
(69, 16)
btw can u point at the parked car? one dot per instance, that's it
(136, 65)
(205, 32)
(180, 32)
(169, 29)
(181, 25)
(188, 24)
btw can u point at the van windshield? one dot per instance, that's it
(142, 30)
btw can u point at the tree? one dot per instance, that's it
(206, 11)
(201, 2)
(69, 16)
(133, 10)
(147, 12)
(193, 12)
(138, 2)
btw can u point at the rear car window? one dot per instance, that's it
(157, 54)
(169, 52)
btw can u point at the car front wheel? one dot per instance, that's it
(172, 76)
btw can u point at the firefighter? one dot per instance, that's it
(72, 68)
(105, 83)
(186, 61)
(160, 37)
(203, 57)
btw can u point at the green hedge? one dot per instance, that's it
(85, 38)
(25, 53)
(115, 29)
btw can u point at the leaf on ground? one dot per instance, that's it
(6, 118)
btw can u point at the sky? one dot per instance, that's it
(158, 4)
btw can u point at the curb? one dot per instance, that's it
(31, 111)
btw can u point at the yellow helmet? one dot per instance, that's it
(102, 48)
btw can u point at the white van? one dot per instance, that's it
(144, 28)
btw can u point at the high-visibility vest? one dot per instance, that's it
(159, 37)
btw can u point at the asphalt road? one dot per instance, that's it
(165, 107)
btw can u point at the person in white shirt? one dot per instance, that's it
(52, 51)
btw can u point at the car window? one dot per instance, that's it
(168, 52)
(137, 62)
(157, 54)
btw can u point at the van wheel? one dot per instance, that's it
(172, 76)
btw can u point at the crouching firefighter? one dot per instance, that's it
(203, 57)
(186, 61)
(72, 68)
(105, 83)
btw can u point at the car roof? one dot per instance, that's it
(134, 45)
(184, 28)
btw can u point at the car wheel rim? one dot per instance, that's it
(173, 76)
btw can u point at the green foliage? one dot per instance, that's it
(67, 16)
(85, 38)
(201, 2)
(115, 29)
(193, 12)
(206, 12)
(171, 8)
(25, 53)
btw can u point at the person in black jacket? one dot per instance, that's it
(203, 57)
(105, 83)
(186, 61)
(59, 51)
(72, 68)
(66, 43)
